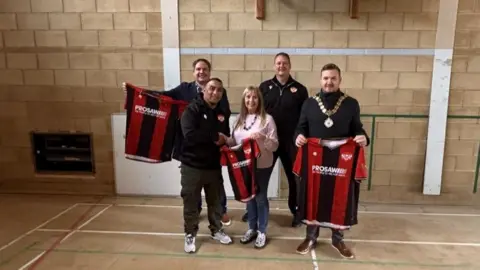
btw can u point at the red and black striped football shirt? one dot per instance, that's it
(328, 189)
(151, 125)
(241, 162)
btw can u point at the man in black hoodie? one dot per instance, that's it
(187, 91)
(200, 157)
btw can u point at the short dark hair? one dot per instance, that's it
(204, 61)
(215, 79)
(331, 66)
(284, 54)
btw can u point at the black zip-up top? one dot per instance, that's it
(188, 91)
(200, 127)
(284, 103)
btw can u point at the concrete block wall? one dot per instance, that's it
(61, 67)
(70, 56)
(463, 136)
(383, 83)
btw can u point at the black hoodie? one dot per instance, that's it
(200, 127)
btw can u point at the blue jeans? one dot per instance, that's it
(223, 200)
(258, 208)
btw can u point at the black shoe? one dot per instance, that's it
(245, 217)
(296, 223)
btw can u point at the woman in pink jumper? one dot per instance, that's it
(253, 122)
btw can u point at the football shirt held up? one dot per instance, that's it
(241, 162)
(329, 173)
(151, 125)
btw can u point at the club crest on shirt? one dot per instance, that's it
(221, 118)
(293, 89)
(346, 156)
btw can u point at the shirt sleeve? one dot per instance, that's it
(231, 141)
(356, 124)
(271, 136)
(302, 125)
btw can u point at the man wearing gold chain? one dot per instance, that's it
(329, 114)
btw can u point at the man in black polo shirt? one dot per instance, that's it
(283, 97)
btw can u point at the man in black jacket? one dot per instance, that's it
(188, 91)
(283, 98)
(200, 157)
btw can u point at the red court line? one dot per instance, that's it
(72, 228)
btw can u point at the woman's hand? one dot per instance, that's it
(256, 135)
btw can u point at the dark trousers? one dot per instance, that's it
(314, 231)
(286, 152)
(223, 199)
(192, 181)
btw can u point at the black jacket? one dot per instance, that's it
(188, 91)
(284, 103)
(200, 126)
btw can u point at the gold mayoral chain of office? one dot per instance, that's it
(329, 122)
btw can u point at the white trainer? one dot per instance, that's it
(261, 240)
(222, 237)
(190, 244)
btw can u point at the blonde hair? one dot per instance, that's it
(243, 108)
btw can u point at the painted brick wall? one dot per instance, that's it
(61, 65)
(67, 58)
(383, 84)
(463, 136)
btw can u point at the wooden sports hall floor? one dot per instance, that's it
(71, 232)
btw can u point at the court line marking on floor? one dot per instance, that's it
(284, 209)
(39, 226)
(40, 257)
(36, 258)
(85, 223)
(9, 259)
(314, 259)
(260, 258)
(466, 244)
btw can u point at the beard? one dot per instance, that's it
(329, 87)
(211, 102)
